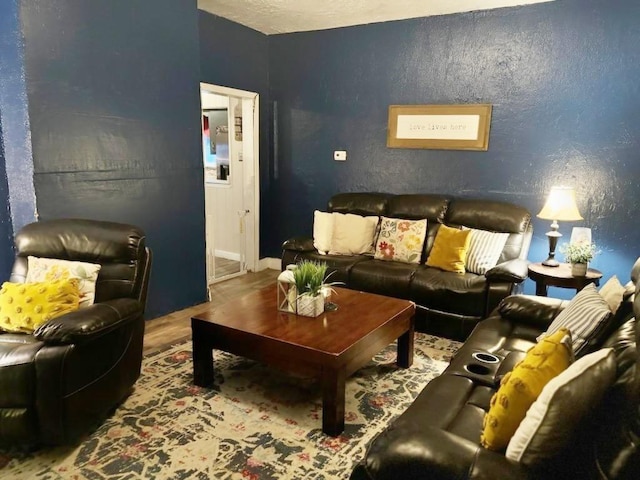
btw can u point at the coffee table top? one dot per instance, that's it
(358, 314)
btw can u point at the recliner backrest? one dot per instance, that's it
(119, 248)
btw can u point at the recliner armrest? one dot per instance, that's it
(89, 323)
(433, 454)
(299, 244)
(530, 309)
(515, 271)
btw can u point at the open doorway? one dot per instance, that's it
(230, 161)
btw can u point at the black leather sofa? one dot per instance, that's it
(448, 304)
(438, 437)
(59, 382)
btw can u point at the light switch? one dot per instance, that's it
(340, 155)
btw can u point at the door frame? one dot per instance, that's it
(252, 243)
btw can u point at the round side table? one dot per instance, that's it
(560, 276)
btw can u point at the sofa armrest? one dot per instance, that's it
(433, 454)
(530, 309)
(299, 244)
(514, 271)
(89, 323)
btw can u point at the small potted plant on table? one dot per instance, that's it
(309, 278)
(579, 255)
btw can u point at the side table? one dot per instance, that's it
(560, 276)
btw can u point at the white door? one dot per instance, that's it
(231, 188)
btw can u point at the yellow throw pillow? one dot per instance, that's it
(449, 250)
(522, 386)
(26, 306)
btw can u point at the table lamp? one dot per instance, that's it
(560, 205)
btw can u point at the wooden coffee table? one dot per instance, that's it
(329, 347)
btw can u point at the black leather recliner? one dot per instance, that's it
(59, 382)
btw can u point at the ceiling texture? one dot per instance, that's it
(286, 16)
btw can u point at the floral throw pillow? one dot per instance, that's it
(401, 240)
(51, 269)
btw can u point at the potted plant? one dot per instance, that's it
(579, 255)
(309, 278)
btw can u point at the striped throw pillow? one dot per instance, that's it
(584, 316)
(484, 250)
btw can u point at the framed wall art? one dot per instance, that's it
(441, 127)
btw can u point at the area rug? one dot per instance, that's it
(257, 423)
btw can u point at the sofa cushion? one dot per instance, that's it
(520, 388)
(400, 240)
(17, 369)
(564, 403)
(449, 250)
(585, 315)
(462, 294)
(385, 278)
(484, 250)
(353, 234)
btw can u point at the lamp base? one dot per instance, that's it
(551, 262)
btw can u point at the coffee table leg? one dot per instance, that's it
(405, 348)
(333, 384)
(202, 362)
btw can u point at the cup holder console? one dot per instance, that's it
(478, 369)
(485, 357)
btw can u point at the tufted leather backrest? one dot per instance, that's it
(119, 248)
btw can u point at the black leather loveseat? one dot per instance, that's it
(448, 304)
(438, 437)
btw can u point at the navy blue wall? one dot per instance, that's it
(235, 56)
(562, 78)
(114, 105)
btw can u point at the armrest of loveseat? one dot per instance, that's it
(299, 244)
(513, 271)
(530, 309)
(89, 323)
(432, 454)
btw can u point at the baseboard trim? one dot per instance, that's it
(269, 262)
(227, 255)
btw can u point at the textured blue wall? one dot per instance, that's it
(562, 78)
(114, 105)
(235, 56)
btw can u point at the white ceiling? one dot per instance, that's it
(285, 16)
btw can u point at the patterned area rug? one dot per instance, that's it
(257, 423)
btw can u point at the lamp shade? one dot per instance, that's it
(560, 205)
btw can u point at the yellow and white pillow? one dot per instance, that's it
(26, 306)
(48, 269)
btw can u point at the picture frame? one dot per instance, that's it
(440, 127)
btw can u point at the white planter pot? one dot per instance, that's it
(579, 269)
(309, 306)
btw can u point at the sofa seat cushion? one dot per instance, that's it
(17, 369)
(462, 294)
(340, 265)
(385, 278)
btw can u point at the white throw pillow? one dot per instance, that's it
(560, 408)
(583, 316)
(484, 250)
(353, 234)
(613, 293)
(46, 269)
(322, 231)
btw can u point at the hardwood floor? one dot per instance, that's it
(176, 327)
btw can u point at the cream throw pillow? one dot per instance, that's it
(50, 269)
(353, 234)
(322, 231)
(613, 293)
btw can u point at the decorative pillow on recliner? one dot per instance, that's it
(26, 306)
(521, 386)
(353, 234)
(584, 316)
(47, 269)
(613, 293)
(484, 251)
(449, 250)
(322, 231)
(563, 404)
(400, 240)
